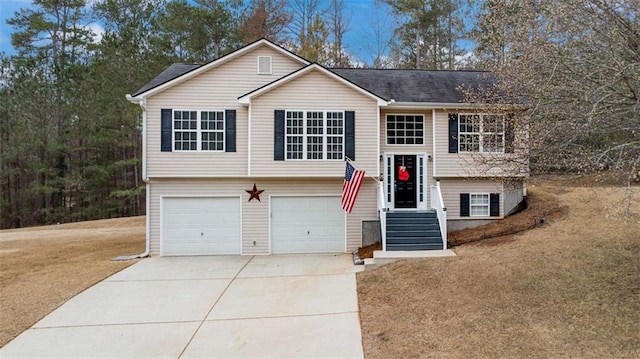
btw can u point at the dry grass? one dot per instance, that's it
(542, 208)
(43, 267)
(567, 289)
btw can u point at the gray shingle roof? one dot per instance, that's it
(167, 75)
(415, 85)
(400, 85)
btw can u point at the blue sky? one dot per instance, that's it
(359, 40)
(7, 8)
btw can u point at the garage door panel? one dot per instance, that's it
(307, 225)
(201, 226)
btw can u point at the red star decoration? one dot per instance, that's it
(254, 193)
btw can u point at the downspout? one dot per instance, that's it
(433, 142)
(249, 124)
(143, 104)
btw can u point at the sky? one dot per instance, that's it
(359, 41)
(363, 15)
(7, 8)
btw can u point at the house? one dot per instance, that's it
(246, 155)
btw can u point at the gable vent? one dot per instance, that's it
(264, 65)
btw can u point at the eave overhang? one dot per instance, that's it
(214, 64)
(246, 98)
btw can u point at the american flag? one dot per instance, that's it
(352, 182)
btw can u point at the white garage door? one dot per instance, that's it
(307, 225)
(200, 226)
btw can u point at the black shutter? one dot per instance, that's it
(230, 130)
(494, 204)
(350, 135)
(453, 133)
(509, 135)
(278, 135)
(464, 205)
(165, 129)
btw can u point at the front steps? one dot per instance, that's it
(413, 231)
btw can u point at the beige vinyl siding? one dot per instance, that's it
(451, 189)
(216, 89)
(312, 91)
(448, 164)
(255, 215)
(462, 164)
(427, 147)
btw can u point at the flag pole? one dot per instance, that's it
(354, 166)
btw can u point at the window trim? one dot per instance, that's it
(481, 133)
(199, 131)
(386, 130)
(488, 205)
(306, 135)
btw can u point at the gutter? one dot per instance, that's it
(393, 104)
(143, 104)
(430, 105)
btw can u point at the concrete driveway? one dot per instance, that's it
(287, 306)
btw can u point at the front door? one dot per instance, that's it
(405, 181)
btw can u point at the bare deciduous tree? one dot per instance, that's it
(574, 66)
(268, 19)
(338, 25)
(380, 31)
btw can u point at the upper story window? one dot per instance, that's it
(481, 133)
(198, 130)
(314, 135)
(405, 129)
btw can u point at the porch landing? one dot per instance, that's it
(382, 258)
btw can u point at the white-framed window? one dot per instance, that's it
(481, 133)
(198, 130)
(314, 135)
(405, 129)
(479, 204)
(212, 130)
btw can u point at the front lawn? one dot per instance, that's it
(570, 288)
(43, 267)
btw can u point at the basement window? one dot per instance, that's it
(479, 204)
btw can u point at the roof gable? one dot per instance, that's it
(246, 98)
(387, 86)
(178, 73)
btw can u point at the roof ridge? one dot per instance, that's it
(396, 69)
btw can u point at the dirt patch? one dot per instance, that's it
(567, 289)
(43, 267)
